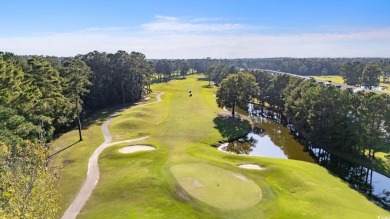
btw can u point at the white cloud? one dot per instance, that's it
(205, 19)
(166, 18)
(174, 24)
(166, 42)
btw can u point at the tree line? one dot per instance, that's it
(169, 69)
(367, 75)
(299, 66)
(325, 116)
(43, 96)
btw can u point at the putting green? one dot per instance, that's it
(216, 186)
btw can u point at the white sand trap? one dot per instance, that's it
(252, 166)
(135, 148)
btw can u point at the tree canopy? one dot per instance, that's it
(370, 76)
(237, 90)
(41, 97)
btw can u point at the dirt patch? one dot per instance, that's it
(135, 148)
(252, 166)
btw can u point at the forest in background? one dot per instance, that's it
(299, 66)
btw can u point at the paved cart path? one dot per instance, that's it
(93, 168)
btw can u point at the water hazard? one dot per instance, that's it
(270, 139)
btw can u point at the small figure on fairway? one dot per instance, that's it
(190, 95)
(189, 92)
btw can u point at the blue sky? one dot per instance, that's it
(198, 28)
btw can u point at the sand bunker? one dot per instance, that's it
(135, 148)
(252, 166)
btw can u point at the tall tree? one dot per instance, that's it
(184, 67)
(209, 73)
(275, 95)
(13, 94)
(351, 73)
(76, 74)
(263, 80)
(237, 90)
(120, 65)
(163, 67)
(370, 77)
(140, 70)
(48, 107)
(373, 121)
(386, 72)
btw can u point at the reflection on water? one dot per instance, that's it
(373, 184)
(268, 139)
(240, 146)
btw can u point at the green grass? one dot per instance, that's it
(148, 184)
(334, 78)
(72, 163)
(71, 160)
(216, 186)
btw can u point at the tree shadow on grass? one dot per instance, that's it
(232, 128)
(63, 149)
(208, 86)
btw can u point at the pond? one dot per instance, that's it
(270, 139)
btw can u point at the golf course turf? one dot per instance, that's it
(206, 182)
(180, 178)
(135, 148)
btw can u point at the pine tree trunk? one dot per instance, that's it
(132, 95)
(123, 93)
(78, 119)
(234, 104)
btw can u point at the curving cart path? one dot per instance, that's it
(93, 167)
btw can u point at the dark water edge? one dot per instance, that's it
(270, 138)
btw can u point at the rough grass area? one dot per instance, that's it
(182, 128)
(334, 78)
(71, 158)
